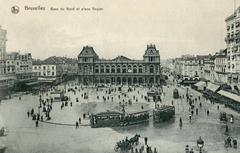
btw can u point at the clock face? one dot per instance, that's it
(129, 70)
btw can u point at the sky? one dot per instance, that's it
(123, 27)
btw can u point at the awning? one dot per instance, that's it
(229, 95)
(212, 87)
(32, 83)
(200, 84)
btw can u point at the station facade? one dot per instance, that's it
(119, 70)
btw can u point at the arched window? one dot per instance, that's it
(113, 69)
(107, 69)
(151, 69)
(102, 69)
(85, 69)
(96, 69)
(135, 69)
(124, 69)
(118, 69)
(140, 69)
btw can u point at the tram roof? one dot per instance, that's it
(109, 113)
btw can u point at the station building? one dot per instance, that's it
(119, 70)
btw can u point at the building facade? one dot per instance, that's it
(46, 72)
(220, 67)
(120, 70)
(55, 69)
(3, 40)
(191, 67)
(233, 47)
(209, 74)
(6, 77)
(20, 65)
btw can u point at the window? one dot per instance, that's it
(53, 68)
(124, 69)
(151, 69)
(107, 69)
(97, 69)
(140, 69)
(53, 73)
(134, 69)
(44, 68)
(118, 69)
(113, 69)
(102, 69)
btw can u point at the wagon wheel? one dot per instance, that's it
(116, 148)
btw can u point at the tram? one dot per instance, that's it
(163, 113)
(106, 119)
(136, 118)
(113, 119)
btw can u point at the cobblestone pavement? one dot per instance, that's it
(24, 137)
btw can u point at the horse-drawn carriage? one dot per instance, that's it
(3, 131)
(163, 113)
(230, 142)
(223, 116)
(2, 148)
(126, 145)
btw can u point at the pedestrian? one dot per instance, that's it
(77, 125)
(71, 104)
(207, 112)
(226, 129)
(79, 120)
(191, 151)
(36, 123)
(28, 114)
(145, 140)
(196, 111)
(187, 149)
(180, 122)
(218, 107)
(190, 117)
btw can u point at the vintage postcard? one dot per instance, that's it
(119, 76)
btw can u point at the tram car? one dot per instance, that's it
(57, 95)
(153, 92)
(164, 113)
(175, 94)
(136, 118)
(106, 119)
(113, 119)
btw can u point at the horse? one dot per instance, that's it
(227, 142)
(135, 139)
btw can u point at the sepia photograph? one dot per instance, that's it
(119, 76)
